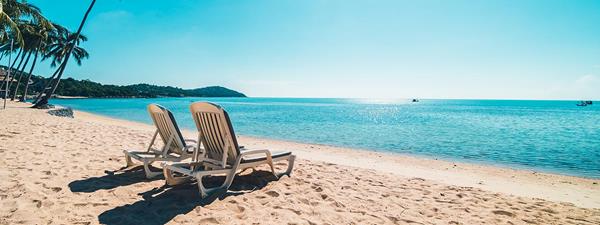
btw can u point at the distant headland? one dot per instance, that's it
(87, 88)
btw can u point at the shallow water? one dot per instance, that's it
(552, 136)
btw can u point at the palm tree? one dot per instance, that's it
(74, 40)
(59, 42)
(40, 37)
(29, 32)
(12, 10)
(55, 35)
(12, 13)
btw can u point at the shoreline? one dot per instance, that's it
(500, 165)
(580, 191)
(417, 156)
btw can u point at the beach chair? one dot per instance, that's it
(221, 153)
(175, 147)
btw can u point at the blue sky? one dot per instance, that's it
(344, 48)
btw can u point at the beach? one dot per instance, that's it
(58, 170)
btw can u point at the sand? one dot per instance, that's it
(57, 170)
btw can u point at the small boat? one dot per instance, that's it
(415, 100)
(582, 103)
(588, 102)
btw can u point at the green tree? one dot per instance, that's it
(16, 16)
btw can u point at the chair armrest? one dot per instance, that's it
(255, 151)
(154, 151)
(251, 152)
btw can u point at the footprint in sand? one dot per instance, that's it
(272, 194)
(210, 220)
(38, 203)
(324, 196)
(504, 213)
(317, 189)
(237, 208)
(548, 210)
(261, 196)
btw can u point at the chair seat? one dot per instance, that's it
(152, 154)
(261, 157)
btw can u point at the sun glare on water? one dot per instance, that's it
(382, 101)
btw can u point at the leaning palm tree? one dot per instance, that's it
(56, 35)
(40, 37)
(60, 46)
(31, 42)
(19, 73)
(56, 48)
(23, 28)
(71, 47)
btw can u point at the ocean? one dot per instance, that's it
(546, 136)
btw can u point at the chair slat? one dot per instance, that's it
(215, 131)
(167, 127)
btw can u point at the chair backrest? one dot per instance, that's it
(215, 132)
(167, 128)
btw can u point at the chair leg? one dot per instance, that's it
(172, 180)
(149, 173)
(272, 168)
(205, 192)
(128, 160)
(290, 166)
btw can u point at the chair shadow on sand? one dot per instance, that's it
(161, 205)
(111, 180)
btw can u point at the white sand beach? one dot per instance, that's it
(58, 170)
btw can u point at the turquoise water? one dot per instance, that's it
(551, 136)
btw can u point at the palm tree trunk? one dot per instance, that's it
(50, 80)
(6, 80)
(7, 75)
(21, 76)
(47, 97)
(24, 97)
(11, 67)
(17, 57)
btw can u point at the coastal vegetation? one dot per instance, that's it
(88, 88)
